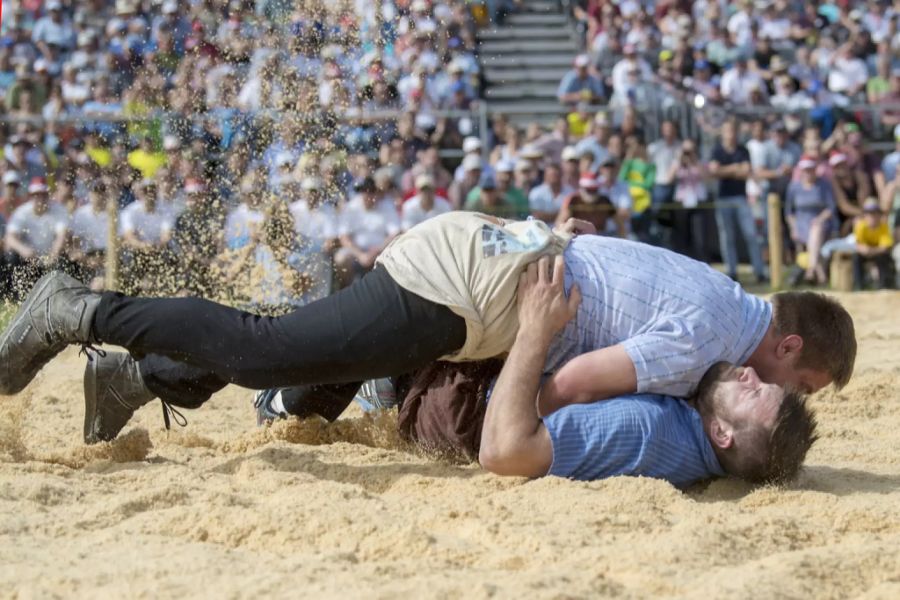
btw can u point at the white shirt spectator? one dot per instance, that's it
(90, 228)
(317, 225)
(542, 198)
(737, 85)
(620, 72)
(663, 156)
(369, 229)
(240, 224)
(38, 231)
(739, 25)
(413, 213)
(777, 28)
(149, 227)
(847, 74)
(61, 34)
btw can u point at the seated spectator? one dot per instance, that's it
(739, 82)
(809, 209)
(471, 168)
(424, 205)
(587, 204)
(851, 188)
(579, 85)
(366, 228)
(631, 70)
(317, 224)
(546, 200)
(9, 197)
(513, 195)
(24, 158)
(620, 196)
(488, 199)
(36, 232)
(146, 230)
(570, 166)
(847, 74)
(197, 238)
(689, 174)
(428, 163)
(89, 231)
(597, 142)
(526, 175)
(874, 242)
(242, 225)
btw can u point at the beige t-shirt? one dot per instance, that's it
(470, 264)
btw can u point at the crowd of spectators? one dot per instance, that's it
(265, 152)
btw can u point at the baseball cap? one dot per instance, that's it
(424, 181)
(40, 65)
(471, 162)
(310, 183)
(37, 185)
(531, 151)
(471, 144)
(588, 181)
(169, 7)
(523, 164)
(505, 166)
(601, 119)
(807, 162)
(11, 177)
(582, 60)
(836, 158)
(487, 182)
(171, 142)
(143, 184)
(54, 5)
(871, 205)
(569, 153)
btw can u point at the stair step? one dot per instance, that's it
(524, 33)
(537, 6)
(568, 47)
(549, 20)
(528, 110)
(512, 61)
(505, 76)
(516, 92)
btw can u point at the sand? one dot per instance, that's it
(223, 509)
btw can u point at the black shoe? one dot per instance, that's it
(262, 402)
(113, 391)
(57, 312)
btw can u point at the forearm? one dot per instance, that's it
(16, 245)
(511, 423)
(597, 375)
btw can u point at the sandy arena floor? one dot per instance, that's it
(222, 509)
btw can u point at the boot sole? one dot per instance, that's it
(22, 314)
(90, 401)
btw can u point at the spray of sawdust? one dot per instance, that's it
(12, 417)
(133, 446)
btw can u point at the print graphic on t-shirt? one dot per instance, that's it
(496, 241)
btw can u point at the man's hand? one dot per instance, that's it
(576, 227)
(544, 308)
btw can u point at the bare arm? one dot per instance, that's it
(514, 441)
(597, 375)
(15, 244)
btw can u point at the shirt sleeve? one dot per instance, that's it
(885, 239)
(673, 357)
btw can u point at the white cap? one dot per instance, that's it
(471, 144)
(169, 7)
(456, 66)
(425, 121)
(424, 181)
(523, 164)
(37, 186)
(310, 183)
(11, 177)
(419, 6)
(582, 60)
(569, 153)
(284, 158)
(171, 142)
(41, 65)
(505, 166)
(531, 151)
(54, 5)
(471, 162)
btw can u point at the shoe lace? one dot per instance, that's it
(93, 349)
(170, 413)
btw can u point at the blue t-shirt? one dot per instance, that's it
(650, 435)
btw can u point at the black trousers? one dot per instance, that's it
(883, 262)
(190, 348)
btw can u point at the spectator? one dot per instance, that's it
(460, 189)
(36, 232)
(428, 164)
(197, 238)
(587, 204)
(10, 201)
(891, 160)
(851, 188)
(847, 74)
(24, 159)
(632, 69)
(570, 167)
(546, 200)
(664, 153)
(366, 228)
(730, 164)
(781, 153)
(874, 242)
(810, 211)
(89, 230)
(739, 82)
(579, 85)
(243, 223)
(424, 205)
(487, 199)
(620, 197)
(640, 175)
(146, 230)
(53, 33)
(526, 175)
(512, 195)
(146, 158)
(317, 224)
(598, 142)
(689, 176)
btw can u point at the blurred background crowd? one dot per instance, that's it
(264, 152)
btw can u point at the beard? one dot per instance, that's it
(705, 396)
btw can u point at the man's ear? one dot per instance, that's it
(789, 347)
(721, 434)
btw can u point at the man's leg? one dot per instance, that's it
(725, 219)
(747, 223)
(373, 328)
(859, 273)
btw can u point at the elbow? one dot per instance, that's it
(500, 458)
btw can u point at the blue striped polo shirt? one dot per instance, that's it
(646, 435)
(675, 316)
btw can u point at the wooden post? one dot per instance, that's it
(112, 243)
(776, 245)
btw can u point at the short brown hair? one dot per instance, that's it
(774, 456)
(829, 338)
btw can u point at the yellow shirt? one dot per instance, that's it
(876, 237)
(148, 163)
(578, 126)
(99, 155)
